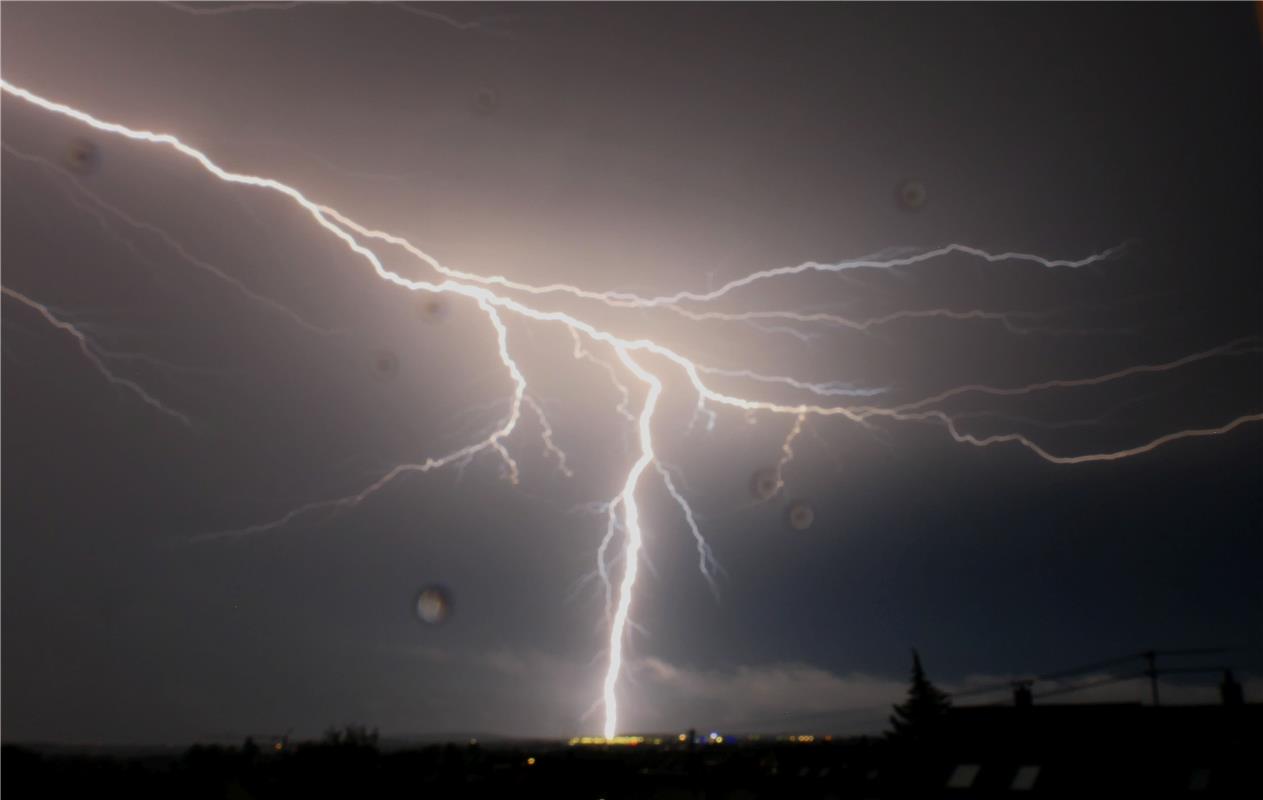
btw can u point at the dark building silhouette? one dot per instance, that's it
(1095, 750)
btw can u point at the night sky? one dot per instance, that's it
(637, 148)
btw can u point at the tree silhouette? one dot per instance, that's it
(351, 737)
(919, 717)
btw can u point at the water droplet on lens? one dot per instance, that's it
(911, 195)
(486, 101)
(434, 605)
(800, 515)
(82, 156)
(385, 364)
(764, 484)
(432, 308)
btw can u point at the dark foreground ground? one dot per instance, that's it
(1096, 751)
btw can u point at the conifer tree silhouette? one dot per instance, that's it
(920, 716)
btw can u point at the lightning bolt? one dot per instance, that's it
(1236, 347)
(484, 24)
(204, 10)
(546, 433)
(486, 293)
(96, 356)
(166, 238)
(1008, 319)
(635, 538)
(787, 451)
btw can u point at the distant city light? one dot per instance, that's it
(625, 741)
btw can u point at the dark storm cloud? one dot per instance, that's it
(652, 148)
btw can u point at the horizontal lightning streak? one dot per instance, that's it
(203, 10)
(1005, 318)
(1231, 348)
(234, 7)
(1088, 457)
(825, 388)
(630, 300)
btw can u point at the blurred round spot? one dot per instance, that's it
(82, 156)
(911, 195)
(486, 101)
(385, 364)
(764, 484)
(432, 308)
(800, 515)
(434, 605)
